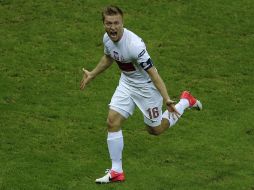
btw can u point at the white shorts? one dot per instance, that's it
(147, 98)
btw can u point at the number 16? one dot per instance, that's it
(153, 112)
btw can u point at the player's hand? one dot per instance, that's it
(171, 108)
(87, 77)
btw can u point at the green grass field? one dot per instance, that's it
(53, 136)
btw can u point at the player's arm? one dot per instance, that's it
(160, 85)
(158, 82)
(140, 54)
(105, 62)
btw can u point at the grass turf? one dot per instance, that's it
(54, 137)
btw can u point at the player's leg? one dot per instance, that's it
(169, 119)
(115, 139)
(149, 101)
(157, 130)
(115, 147)
(121, 107)
(114, 121)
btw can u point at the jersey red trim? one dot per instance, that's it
(126, 66)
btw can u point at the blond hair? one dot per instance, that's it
(110, 11)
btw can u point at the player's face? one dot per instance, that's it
(114, 27)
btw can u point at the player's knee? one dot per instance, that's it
(110, 122)
(153, 131)
(113, 125)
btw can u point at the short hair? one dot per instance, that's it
(110, 11)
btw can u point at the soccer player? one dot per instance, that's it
(140, 85)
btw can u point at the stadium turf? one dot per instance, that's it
(53, 136)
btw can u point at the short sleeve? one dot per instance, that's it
(139, 52)
(106, 51)
(105, 40)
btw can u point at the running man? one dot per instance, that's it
(140, 85)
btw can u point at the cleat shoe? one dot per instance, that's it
(194, 103)
(111, 176)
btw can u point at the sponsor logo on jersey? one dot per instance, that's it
(142, 53)
(122, 59)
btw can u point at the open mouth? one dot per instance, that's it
(113, 34)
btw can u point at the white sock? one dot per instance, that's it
(180, 107)
(115, 147)
(185, 103)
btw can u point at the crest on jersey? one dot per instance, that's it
(116, 55)
(122, 59)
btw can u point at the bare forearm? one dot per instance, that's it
(103, 64)
(159, 84)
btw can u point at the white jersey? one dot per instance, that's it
(131, 56)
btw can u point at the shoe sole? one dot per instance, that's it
(199, 105)
(119, 181)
